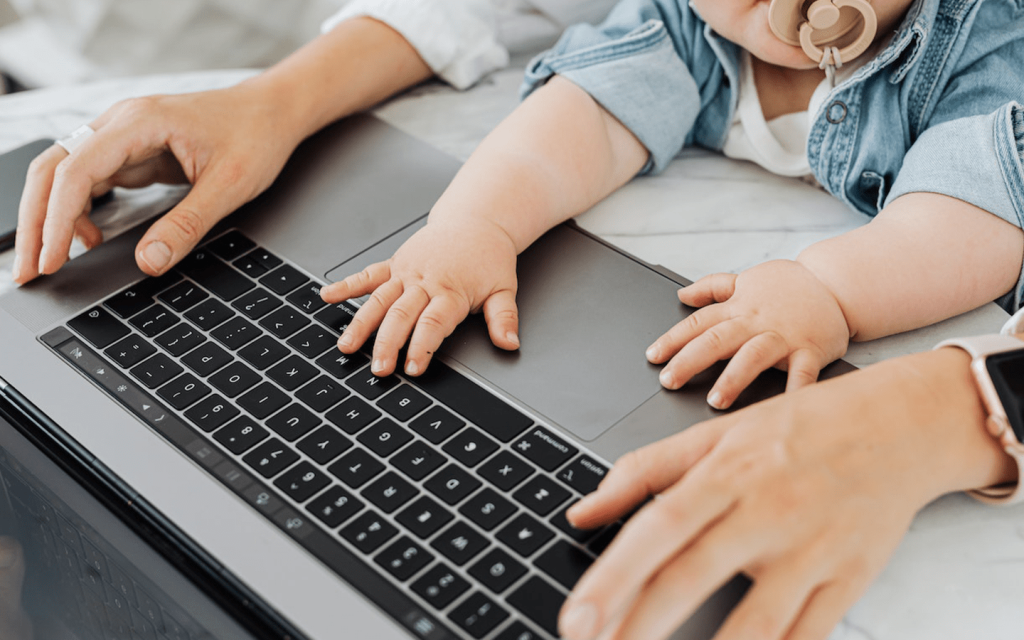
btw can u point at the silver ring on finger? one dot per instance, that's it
(76, 138)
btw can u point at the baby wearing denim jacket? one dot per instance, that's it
(924, 133)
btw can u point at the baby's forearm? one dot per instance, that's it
(925, 258)
(555, 156)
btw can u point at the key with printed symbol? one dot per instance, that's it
(418, 460)
(313, 341)
(334, 506)
(139, 296)
(541, 495)
(322, 393)
(284, 322)
(257, 303)
(356, 468)
(263, 352)
(524, 535)
(497, 570)
(240, 435)
(156, 371)
(389, 492)
(183, 391)
(370, 386)
(307, 298)
(470, 447)
(440, 586)
(384, 437)
(235, 333)
(152, 321)
(270, 458)
(341, 365)
(460, 543)
(506, 471)
(183, 296)
(478, 615)
(180, 339)
(302, 481)
(452, 484)
(404, 558)
(424, 517)
(283, 279)
(293, 422)
(437, 424)
(487, 509)
(368, 531)
(99, 327)
(207, 359)
(211, 413)
(544, 448)
(263, 400)
(324, 444)
(352, 415)
(583, 474)
(234, 379)
(403, 403)
(209, 313)
(130, 351)
(292, 372)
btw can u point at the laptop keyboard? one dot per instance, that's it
(441, 502)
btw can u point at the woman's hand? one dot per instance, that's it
(777, 314)
(445, 271)
(14, 622)
(808, 494)
(226, 143)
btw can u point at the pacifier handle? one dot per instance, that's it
(821, 27)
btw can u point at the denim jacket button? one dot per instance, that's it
(836, 112)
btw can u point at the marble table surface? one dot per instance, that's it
(957, 574)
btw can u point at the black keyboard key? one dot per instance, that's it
(478, 615)
(452, 484)
(404, 558)
(325, 444)
(211, 413)
(234, 379)
(322, 394)
(156, 371)
(257, 303)
(424, 517)
(564, 562)
(541, 495)
(240, 435)
(389, 492)
(263, 400)
(506, 471)
(519, 631)
(487, 509)
(470, 447)
(369, 531)
(544, 448)
(540, 602)
(130, 351)
(302, 481)
(235, 333)
(293, 422)
(341, 365)
(460, 543)
(370, 386)
(183, 296)
(271, 458)
(440, 586)
(471, 401)
(497, 570)
(562, 524)
(437, 424)
(313, 340)
(183, 391)
(404, 403)
(284, 322)
(207, 359)
(231, 245)
(292, 372)
(356, 468)
(525, 535)
(283, 279)
(353, 415)
(139, 296)
(384, 437)
(334, 506)
(179, 339)
(250, 267)
(603, 539)
(337, 316)
(307, 298)
(418, 460)
(99, 327)
(584, 474)
(263, 352)
(209, 313)
(217, 277)
(154, 320)
(264, 258)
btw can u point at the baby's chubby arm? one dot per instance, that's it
(926, 257)
(554, 157)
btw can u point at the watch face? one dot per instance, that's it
(1007, 373)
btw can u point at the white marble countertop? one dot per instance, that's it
(957, 574)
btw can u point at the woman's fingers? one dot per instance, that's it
(32, 213)
(825, 609)
(395, 328)
(717, 287)
(774, 603)
(645, 472)
(716, 343)
(757, 354)
(87, 231)
(502, 317)
(435, 324)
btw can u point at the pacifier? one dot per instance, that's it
(830, 32)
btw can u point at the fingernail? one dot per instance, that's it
(412, 368)
(44, 259)
(512, 337)
(378, 366)
(157, 255)
(666, 378)
(715, 400)
(345, 341)
(578, 622)
(16, 270)
(652, 352)
(575, 509)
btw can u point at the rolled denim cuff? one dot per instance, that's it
(638, 78)
(457, 40)
(978, 159)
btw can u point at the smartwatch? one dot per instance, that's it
(998, 369)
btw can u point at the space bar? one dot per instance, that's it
(472, 401)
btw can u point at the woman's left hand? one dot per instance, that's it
(808, 494)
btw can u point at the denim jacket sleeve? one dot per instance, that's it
(639, 65)
(972, 147)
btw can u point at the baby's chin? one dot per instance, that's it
(767, 47)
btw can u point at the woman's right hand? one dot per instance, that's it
(228, 143)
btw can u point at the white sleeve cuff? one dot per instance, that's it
(457, 40)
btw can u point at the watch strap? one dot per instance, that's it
(979, 346)
(1005, 494)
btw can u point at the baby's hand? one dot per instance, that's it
(775, 314)
(443, 272)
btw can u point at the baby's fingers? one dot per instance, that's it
(369, 316)
(435, 324)
(502, 317)
(717, 287)
(357, 284)
(683, 332)
(394, 330)
(717, 343)
(759, 353)
(804, 367)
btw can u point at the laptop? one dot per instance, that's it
(211, 412)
